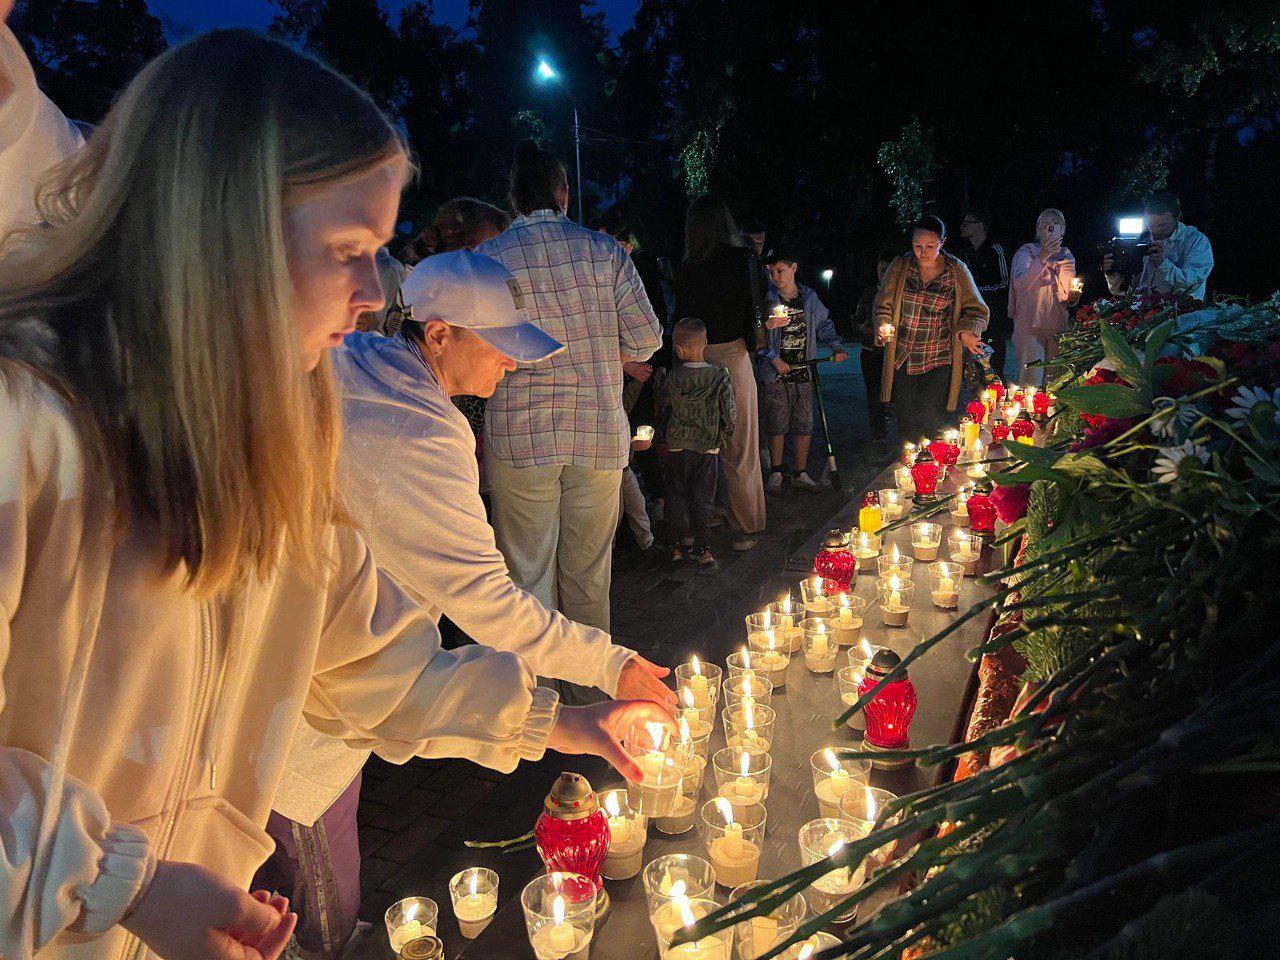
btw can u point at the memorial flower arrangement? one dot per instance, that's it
(1128, 807)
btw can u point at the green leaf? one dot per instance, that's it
(1118, 351)
(1156, 341)
(1106, 400)
(1025, 452)
(1028, 473)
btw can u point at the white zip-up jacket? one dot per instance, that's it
(172, 720)
(410, 480)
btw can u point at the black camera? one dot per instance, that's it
(1129, 247)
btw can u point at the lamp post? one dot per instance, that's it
(546, 73)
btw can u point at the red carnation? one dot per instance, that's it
(1011, 501)
(1187, 377)
(977, 409)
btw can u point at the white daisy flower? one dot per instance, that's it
(1168, 467)
(1169, 415)
(1246, 398)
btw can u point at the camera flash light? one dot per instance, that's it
(1130, 226)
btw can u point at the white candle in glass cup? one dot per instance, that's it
(979, 469)
(892, 504)
(848, 681)
(834, 777)
(655, 793)
(748, 686)
(771, 655)
(826, 838)
(808, 949)
(742, 777)
(409, 919)
(966, 550)
(757, 936)
(715, 946)
(945, 583)
(960, 507)
(820, 646)
(749, 727)
(865, 551)
(677, 874)
(787, 631)
(862, 808)
(702, 680)
(894, 562)
(474, 893)
(895, 600)
(559, 939)
(846, 622)
(628, 832)
(905, 483)
(734, 840)
(925, 539)
(817, 602)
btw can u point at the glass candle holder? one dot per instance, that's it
(978, 470)
(702, 680)
(944, 584)
(474, 893)
(861, 807)
(750, 685)
(902, 480)
(966, 550)
(785, 616)
(946, 449)
(909, 452)
(960, 507)
(845, 623)
(742, 777)
(685, 811)
(848, 680)
(810, 947)
(693, 735)
(895, 600)
(894, 562)
(748, 727)
(409, 919)
(740, 661)
(685, 708)
(560, 915)
(926, 474)
(817, 597)
(628, 831)
(757, 936)
(820, 645)
(823, 838)
(894, 503)
(870, 515)
(833, 777)
(860, 656)
(866, 547)
(673, 917)
(677, 875)
(734, 840)
(771, 653)
(982, 512)
(925, 540)
(654, 794)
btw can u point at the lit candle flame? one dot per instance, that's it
(686, 694)
(746, 659)
(678, 890)
(475, 881)
(768, 618)
(830, 756)
(866, 541)
(749, 714)
(685, 735)
(866, 648)
(557, 910)
(611, 804)
(844, 601)
(744, 763)
(771, 638)
(657, 732)
(871, 804)
(726, 810)
(835, 847)
(686, 912)
(786, 604)
(748, 686)
(817, 586)
(806, 951)
(895, 553)
(821, 629)
(895, 585)
(696, 666)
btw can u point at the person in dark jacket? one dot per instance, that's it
(719, 283)
(987, 262)
(697, 402)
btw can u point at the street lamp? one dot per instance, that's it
(827, 276)
(546, 73)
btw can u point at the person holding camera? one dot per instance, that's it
(1179, 257)
(1040, 291)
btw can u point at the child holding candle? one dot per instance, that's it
(698, 404)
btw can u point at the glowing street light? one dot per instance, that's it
(827, 276)
(546, 73)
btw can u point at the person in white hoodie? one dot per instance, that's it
(179, 586)
(1040, 293)
(409, 477)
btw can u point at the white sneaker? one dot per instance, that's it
(774, 483)
(803, 479)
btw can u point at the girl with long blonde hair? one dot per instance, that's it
(178, 590)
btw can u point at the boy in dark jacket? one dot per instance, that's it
(697, 399)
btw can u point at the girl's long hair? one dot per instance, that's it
(156, 297)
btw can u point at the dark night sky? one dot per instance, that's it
(181, 17)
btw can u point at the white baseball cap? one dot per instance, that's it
(479, 294)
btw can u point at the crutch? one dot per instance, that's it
(832, 472)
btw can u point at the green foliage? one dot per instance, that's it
(908, 162)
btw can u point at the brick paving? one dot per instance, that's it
(415, 819)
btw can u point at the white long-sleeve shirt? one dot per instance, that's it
(1039, 290)
(1185, 266)
(410, 480)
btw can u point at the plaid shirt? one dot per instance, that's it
(581, 288)
(924, 323)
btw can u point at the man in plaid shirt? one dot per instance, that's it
(556, 436)
(927, 313)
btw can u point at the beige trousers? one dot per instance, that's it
(555, 527)
(741, 456)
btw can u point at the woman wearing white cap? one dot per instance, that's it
(179, 588)
(410, 480)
